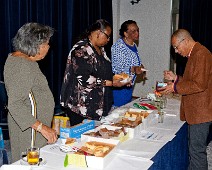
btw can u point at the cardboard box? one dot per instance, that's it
(76, 131)
(91, 161)
(135, 130)
(60, 121)
(120, 138)
(99, 162)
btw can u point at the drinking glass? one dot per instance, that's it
(30, 156)
(33, 155)
(160, 116)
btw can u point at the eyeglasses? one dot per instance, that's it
(176, 47)
(108, 37)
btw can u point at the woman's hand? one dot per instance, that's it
(138, 69)
(118, 83)
(49, 133)
(169, 75)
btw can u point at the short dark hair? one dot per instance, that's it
(124, 27)
(100, 24)
(30, 36)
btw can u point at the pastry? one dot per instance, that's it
(97, 149)
(121, 76)
(70, 141)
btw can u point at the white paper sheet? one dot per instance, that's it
(139, 148)
(54, 148)
(156, 134)
(15, 167)
(124, 162)
(170, 122)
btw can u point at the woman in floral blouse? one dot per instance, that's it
(87, 86)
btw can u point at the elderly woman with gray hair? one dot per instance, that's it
(28, 90)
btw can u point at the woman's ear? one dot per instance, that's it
(125, 34)
(98, 32)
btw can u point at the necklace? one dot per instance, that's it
(97, 48)
(101, 51)
(127, 42)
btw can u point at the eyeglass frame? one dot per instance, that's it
(108, 37)
(176, 47)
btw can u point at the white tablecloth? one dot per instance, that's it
(134, 154)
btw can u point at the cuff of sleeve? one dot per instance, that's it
(175, 84)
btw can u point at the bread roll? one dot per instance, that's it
(121, 76)
(124, 75)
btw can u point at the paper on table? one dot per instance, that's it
(139, 148)
(173, 107)
(170, 112)
(124, 162)
(170, 122)
(54, 160)
(54, 148)
(173, 101)
(156, 134)
(16, 167)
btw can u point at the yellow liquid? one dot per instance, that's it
(33, 157)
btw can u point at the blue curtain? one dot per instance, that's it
(196, 17)
(68, 17)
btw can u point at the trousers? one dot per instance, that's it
(197, 143)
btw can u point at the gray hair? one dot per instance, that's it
(181, 34)
(30, 36)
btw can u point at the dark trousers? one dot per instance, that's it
(198, 140)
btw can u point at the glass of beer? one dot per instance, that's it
(33, 155)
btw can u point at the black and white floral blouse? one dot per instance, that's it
(82, 88)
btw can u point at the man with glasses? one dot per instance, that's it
(196, 89)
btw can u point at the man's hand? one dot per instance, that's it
(169, 75)
(168, 89)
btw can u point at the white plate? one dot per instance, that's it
(23, 161)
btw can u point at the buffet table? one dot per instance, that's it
(159, 146)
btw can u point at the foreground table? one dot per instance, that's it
(167, 150)
(174, 155)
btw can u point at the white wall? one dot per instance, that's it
(154, 20)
